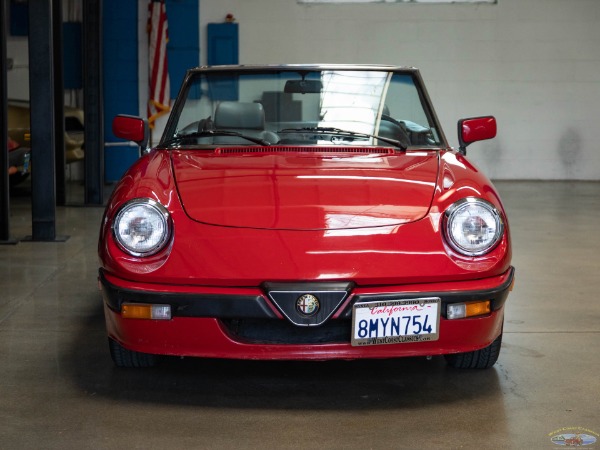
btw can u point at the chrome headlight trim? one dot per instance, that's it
(485, 232)
(142, 227)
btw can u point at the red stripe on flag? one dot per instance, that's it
(159, 97)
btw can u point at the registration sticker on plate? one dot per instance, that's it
(396, 321)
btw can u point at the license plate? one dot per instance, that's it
(396, 321)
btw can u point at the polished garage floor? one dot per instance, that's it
(59, 389)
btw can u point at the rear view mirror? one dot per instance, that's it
(132, 128)
(303, 87)
(475, 129)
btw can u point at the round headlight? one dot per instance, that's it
(473, 226)
(142, 227)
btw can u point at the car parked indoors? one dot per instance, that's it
(19, 129)
(307, 212)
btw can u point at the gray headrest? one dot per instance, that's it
(250, 116)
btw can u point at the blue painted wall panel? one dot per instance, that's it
(72, 56)
(184, 44)
(223, 43)
(120, 52)
(19, 18)
(120, 71)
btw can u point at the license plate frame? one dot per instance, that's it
(408, 318)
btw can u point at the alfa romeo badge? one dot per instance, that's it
(307, 305)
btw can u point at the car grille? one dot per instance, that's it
(275, 331)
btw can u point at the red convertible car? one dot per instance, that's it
(304, 212)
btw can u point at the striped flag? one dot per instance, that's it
(158, 103)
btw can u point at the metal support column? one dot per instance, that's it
(59, 103)
(4, 195)
(41, 93)
(92, 101)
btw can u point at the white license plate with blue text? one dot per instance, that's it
(396, 321)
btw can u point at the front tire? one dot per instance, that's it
(478, 359)
(129, 358)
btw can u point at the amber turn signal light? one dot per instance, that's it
(145, 311)
(470, 309)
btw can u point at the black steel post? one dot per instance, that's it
(41, 93)
(4, 194)
(59, 103)
(92, 101)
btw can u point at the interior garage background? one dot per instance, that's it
(534, 64)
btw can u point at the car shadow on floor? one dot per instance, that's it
(324, 385)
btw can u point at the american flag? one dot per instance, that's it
(158, 103)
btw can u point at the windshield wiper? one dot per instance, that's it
(204, 133)
(340, 132)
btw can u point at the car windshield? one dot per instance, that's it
(302, 107)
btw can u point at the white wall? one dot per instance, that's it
(534, 64)
(17, 79)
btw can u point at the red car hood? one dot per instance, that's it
(305, 191)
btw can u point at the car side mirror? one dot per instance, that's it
(132, 128)
(475, 129)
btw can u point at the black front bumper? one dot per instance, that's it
(258, 306)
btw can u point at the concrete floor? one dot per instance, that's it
(60, 390)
